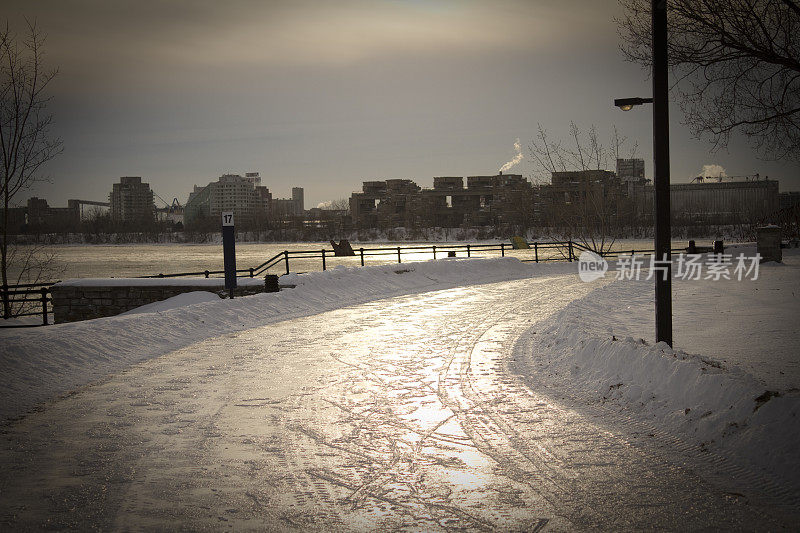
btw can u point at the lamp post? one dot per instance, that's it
(660, 101)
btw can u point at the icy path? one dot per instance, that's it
(400, 414)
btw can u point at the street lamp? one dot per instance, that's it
(660, 101)
(626, 104)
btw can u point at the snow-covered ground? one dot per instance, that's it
(731, 384)
(42, 363)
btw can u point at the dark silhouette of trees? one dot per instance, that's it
(736, 65)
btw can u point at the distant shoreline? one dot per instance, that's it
(424, 235)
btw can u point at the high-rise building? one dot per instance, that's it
(297, 196)
(628, 169)
(244, 195)
(131, 200)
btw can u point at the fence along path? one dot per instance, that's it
(30, 296)
(285, 260)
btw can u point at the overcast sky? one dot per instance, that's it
(327, 94)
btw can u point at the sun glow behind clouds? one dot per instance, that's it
(333, 37)
(340, 33)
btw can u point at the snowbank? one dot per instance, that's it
(43, 363)
(181, 300)
(699, 399)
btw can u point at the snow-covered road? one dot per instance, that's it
(399, 414)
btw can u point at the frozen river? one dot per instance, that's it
(401, 414)
(88, 261)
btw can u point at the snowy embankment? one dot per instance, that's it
(586, 353)
(39, 364)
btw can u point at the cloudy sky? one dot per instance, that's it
(327, 94)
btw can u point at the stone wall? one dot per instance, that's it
(83, 301)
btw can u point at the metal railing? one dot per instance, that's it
(36, 299)
(541, 252)
(617, 253)
(32, 299)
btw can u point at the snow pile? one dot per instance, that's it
(181, 300)
(41, 363)
(697, 398)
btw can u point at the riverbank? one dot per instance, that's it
(309, 235)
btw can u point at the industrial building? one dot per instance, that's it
(41, 215)
(748, 200)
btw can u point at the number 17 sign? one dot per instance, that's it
(229, 251)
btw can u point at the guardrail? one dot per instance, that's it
(28, 296)
(541, 252)
(566, 252)
(617, 253)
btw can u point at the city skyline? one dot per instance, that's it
(327, 97)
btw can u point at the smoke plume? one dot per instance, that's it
(517, 158)
(712, 171)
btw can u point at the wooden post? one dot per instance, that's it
(44, 306)
(286, 258)
(6, 303)
(206, 273)
(502, 249)
(434, 251)
(570, 251)
(362, 256)
(398, 255)
(536, 251)
(251, 272)
(323, 259)
(468, 253)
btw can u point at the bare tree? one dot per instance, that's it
(736, 65)
(592, 211)
(342, 205)
(25, 140)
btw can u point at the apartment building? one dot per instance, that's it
(131, 200)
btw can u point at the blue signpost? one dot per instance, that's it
(229, 251)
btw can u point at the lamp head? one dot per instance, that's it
(626, 104)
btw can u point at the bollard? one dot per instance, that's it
(468, 253)
(398, 254)
(362, 256)
(718, 247)
(271, 283)
(251, 272)
(434, 251)
(692, 249)
(502, 249)
(286, 258)
(323, 259)
(570, 251)
(206, 273)
(536, 251)
(768, 243)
